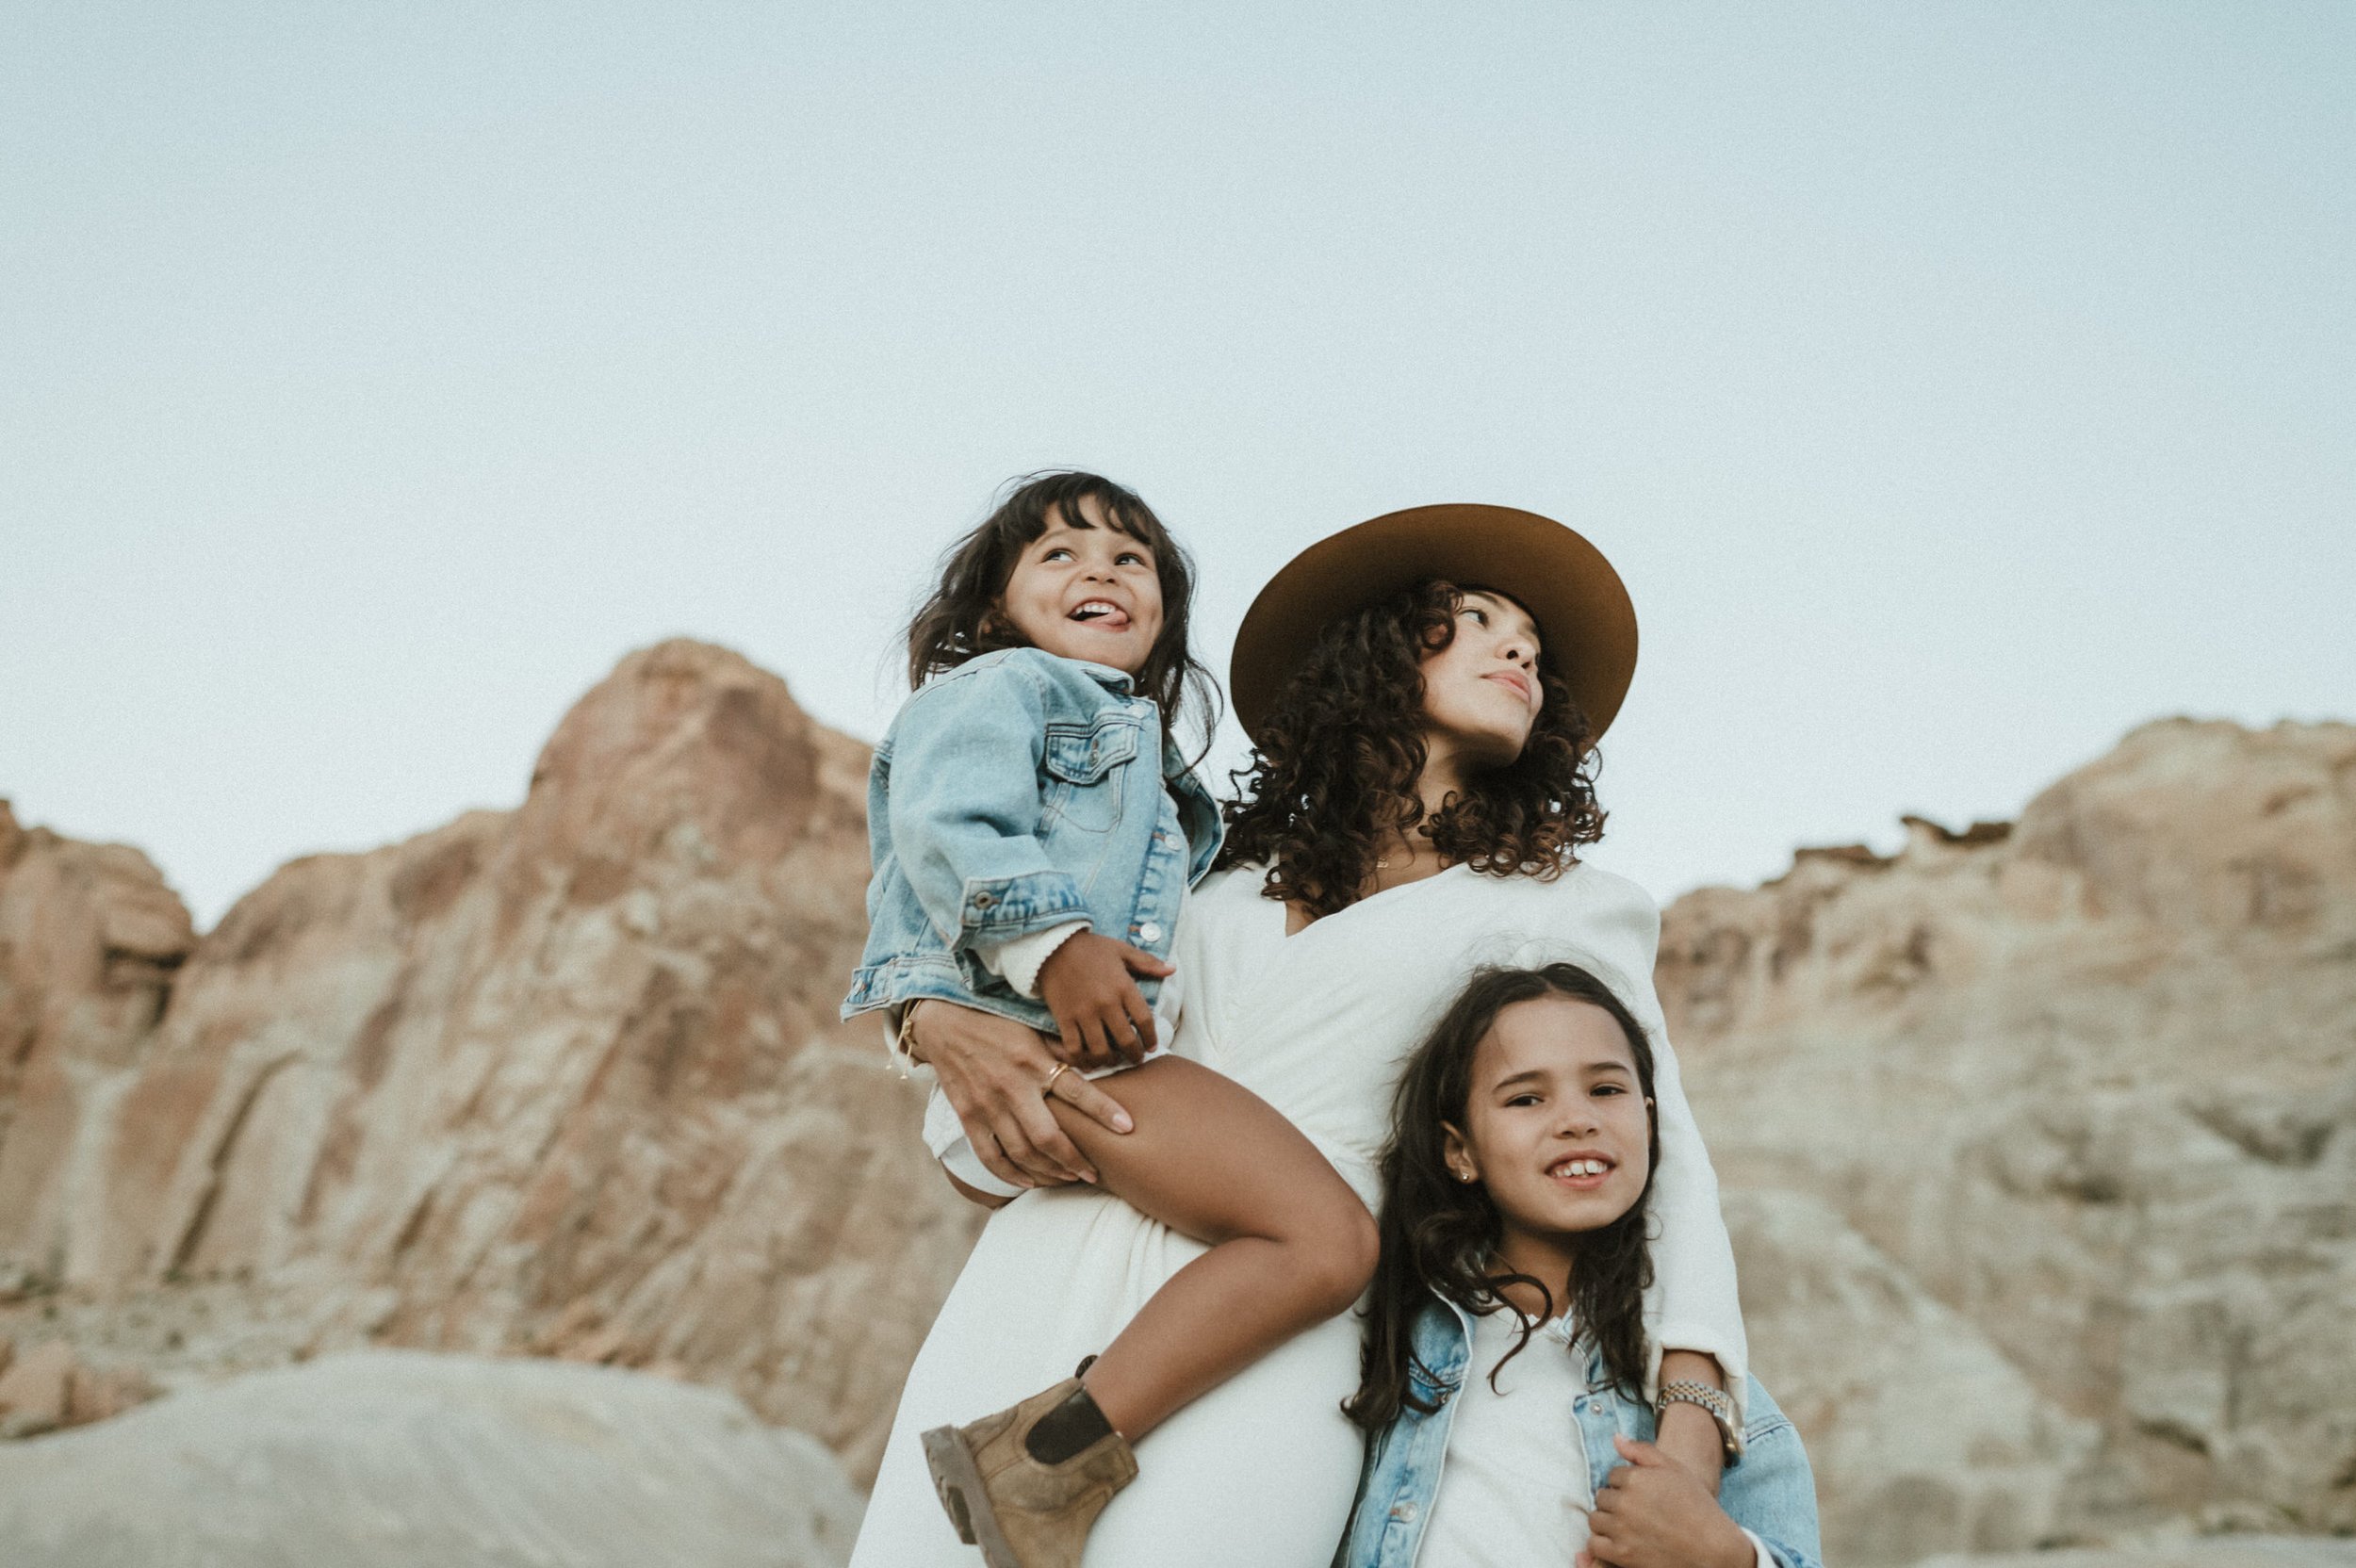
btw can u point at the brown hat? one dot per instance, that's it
(1585, 621)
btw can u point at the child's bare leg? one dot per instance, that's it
(1291, 1244)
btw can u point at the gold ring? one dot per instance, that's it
(1047, 1090)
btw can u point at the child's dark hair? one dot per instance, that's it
(961, 619)
(1440, 1234)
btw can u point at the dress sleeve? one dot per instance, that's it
(1611, 926)
(1692, 1304)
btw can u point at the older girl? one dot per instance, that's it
(1424, 692)
(1505, 1342)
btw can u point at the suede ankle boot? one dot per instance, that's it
(1025, 1511)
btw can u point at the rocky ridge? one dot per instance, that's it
(2034, 1137)
(2040, 1147)
(563, 1080)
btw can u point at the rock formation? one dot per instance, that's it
(2035, 1139)
(2040, 1147)
(564, 1079)
(386, 1459)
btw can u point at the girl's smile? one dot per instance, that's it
(1555, 1127)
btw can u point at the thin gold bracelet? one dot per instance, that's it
(902, 1042)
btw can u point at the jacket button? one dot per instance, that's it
(983, 901)
(1404, 1512)
(1151, 931)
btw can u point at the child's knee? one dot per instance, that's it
(1339, 1258)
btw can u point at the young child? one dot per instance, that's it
(1505, 1344)
(1034, 830)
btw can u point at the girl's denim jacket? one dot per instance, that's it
(1771, 1493)
(1017, 792)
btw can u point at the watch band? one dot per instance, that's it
(1715, 1401)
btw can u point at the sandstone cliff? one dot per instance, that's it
(2041, 1146)
(2037, 1140)
(562, 1079)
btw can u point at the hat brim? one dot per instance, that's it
(1586, 625)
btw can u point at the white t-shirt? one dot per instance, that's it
(1513, 1487)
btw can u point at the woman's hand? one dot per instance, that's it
(1653, 1513)
(992, 1070)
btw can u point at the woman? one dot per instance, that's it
(1423, 692)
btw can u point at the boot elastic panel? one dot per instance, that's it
(1067, 1429)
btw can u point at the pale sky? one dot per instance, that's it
(1957, 386)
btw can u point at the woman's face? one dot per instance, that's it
(1555, 1126)
(1087, 592)
(1481, 693)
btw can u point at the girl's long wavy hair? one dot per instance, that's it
(1440, 1234)
(1334, 773)
(963, 618)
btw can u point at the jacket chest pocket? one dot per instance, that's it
(1084, 766)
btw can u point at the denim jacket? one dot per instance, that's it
(1017, 793)
(1772, 1493)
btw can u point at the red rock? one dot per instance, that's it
(567, 1066)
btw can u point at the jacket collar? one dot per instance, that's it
(1433, 1334)
(1106, 676)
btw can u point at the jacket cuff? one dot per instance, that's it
(1019, 959)
(1000, 908)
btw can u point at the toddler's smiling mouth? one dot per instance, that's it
(1102, 615)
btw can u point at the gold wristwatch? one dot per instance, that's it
(1684, 1390)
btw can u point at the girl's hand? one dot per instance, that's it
(1652, 1513)
(992, 1070)
(1086, 984)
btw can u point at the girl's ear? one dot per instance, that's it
(1457, 1154)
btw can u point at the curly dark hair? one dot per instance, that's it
(1440, 1235)
(1333, 772)
(961, 619)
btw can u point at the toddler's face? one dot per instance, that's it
(1087, 591)
(1555, 1127)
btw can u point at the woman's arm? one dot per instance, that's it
(1692, 1304)
(1687, 1432)
(1694, 1293)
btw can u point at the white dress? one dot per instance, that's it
(1260, 1472)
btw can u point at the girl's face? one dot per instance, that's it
(1481, 693)
(1086, 591)
(1555, 1126)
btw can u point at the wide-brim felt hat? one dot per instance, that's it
(1586, 626)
